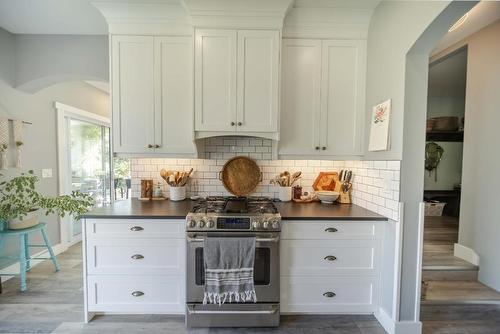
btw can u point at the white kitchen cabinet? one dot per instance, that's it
(323, 97)
(330, 266)
(236, 81)
(300, 103)
(132, 90)
(152, 95)
(257, 81)
(134, 266)
(174, 95)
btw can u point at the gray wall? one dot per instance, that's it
(40, 150)
(42, 60)
(480, 209)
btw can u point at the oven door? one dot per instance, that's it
(266, 265)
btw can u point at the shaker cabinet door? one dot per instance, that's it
(173, 95)
(257, 80)
(215, 80)
(342, 97)
(132, 94)
(300, 106)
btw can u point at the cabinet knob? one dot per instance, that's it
(136, 228)
(150, 146)
(137, 257)
(137, 293)
(329, 294)
(233, 124)
(157, 146)
(323, 148)
(330, 258)
(316, 148)
(240, 124)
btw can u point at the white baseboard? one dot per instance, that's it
(385, 320)
(466, 253)
(14, 268)
(397, 327)
(408, 327)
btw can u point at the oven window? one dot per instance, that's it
(261, 267)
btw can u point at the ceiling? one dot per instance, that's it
(448, 76)
(482, 15)
(80, 17)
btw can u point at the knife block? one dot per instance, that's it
(344, 198)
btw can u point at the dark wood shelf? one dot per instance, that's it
(449, 136)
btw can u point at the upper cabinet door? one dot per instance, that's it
(174, 95)
(215, 80)
(132, 94)
(258, 76)
(342, 97)
(300, 106)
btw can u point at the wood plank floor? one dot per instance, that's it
(53, 304)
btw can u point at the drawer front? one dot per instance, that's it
(329, 295)
(136, 294)
(329, 257)
(331, 230)
(135, 228)
(132, 256)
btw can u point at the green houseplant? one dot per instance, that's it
(20, 202)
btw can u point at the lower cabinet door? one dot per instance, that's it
(323, 295)
(136, 294)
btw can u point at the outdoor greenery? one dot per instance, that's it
(19, 196)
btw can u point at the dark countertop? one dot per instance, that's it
(178, 210)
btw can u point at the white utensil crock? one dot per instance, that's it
(178, 193)
(285, 194)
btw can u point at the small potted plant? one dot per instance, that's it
(21, 203)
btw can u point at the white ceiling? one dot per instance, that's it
(482, 15)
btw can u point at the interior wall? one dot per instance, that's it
(397, 29)
(479, 211)
(40, 148)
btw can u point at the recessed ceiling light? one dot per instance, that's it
(459, 22)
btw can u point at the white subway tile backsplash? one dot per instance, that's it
(368, 176)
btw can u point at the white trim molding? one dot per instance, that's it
(397, 327)
(64, 112)
(466, 253)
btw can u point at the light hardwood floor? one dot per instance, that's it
(53, 304)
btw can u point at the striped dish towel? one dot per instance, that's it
(229, 270)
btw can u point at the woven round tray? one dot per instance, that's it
(240, 176)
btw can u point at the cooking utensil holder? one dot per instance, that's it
(178, 193)
(285, 194)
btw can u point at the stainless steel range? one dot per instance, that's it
(234, 217)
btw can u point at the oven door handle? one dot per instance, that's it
(273, 239)
(191, 310)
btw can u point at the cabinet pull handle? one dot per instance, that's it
(137, 257)
(331, 229)
(137, 293)
(316, 148)
(330, 258)
(323, 148)
(240, 124)
(329, 294)
(136, 228)
(150, 146)
(233, 124)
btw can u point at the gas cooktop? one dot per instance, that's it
(234, 213)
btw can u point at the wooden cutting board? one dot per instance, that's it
(326, 181)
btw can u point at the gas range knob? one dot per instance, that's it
(210, 223)
(201, 224)
(265, 224)
(191, 223)
(256, 224)
(275, 225)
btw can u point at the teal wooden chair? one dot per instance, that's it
(24, 249)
